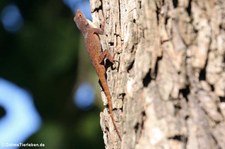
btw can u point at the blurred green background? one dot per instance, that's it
(47, 58)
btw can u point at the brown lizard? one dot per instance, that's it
(93, 46)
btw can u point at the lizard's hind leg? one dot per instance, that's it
(106, 54)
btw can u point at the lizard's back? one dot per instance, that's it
(93, 46)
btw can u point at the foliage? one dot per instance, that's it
(43, 58)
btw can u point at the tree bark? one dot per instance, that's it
(168, 89)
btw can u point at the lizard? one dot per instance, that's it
(97, 56)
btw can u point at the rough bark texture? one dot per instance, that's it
(168, 90)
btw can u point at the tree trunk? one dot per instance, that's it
(168, 89)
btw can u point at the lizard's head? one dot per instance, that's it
(80, 19)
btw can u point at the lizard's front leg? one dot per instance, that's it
(99, 30)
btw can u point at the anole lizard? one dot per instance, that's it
(93, 46)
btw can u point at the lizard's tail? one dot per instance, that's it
(108, 96)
